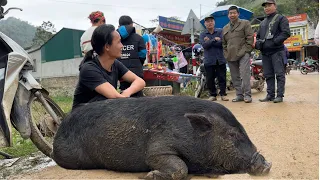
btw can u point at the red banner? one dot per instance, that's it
(175, 37)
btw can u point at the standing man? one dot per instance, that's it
(237, 45)
(133, 51)
(214, 62)
(97, 18)
(273, 31)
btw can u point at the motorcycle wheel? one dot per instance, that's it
(230, 88)
(43, 128)
(304, 71)
(261, 84)
(199, 87)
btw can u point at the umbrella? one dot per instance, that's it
(220, 15)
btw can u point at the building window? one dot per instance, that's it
(34, 65)
(295, 32)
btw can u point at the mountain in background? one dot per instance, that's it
(20, 31)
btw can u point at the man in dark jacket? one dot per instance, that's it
(273, 31)
(214, 61)
(133, 51)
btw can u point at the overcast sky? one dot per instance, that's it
(74, 13)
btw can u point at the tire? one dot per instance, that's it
(304, 71)
(199, 87)
(230, 88)
(41, 134)
(261, 84)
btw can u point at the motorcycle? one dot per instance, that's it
(201, 84)
(256, 82)
(257, 78)
(201, 81)
(310, 66)
(25, 104)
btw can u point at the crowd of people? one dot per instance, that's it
(233, 45)
(112, 55)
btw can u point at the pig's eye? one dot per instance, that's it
(233, 135)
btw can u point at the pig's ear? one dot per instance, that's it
(200, 123)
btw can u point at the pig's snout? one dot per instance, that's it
(259, 166)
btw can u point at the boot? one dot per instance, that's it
(212, 98)
(266, 99)
(224, 98)
(278, 100)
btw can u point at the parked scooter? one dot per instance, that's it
(310, 66)
(25, 104)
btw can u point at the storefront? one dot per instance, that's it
(294, 45)
(301, 43)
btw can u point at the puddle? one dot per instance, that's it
(32, 163)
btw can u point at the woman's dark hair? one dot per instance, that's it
(101, 36)
(233, 8)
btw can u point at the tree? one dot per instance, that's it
(43, 33)
(222, 3)
(311, 7)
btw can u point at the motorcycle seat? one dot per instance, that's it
(257, 63)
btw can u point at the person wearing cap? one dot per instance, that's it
(237, 44)
(97, 18)
(133, 51)
(214, 61)
(272, 33)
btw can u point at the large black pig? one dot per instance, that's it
(168, 136)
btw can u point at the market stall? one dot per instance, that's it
(165, 57)
(161, 76)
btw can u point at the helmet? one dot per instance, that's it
(197, 49)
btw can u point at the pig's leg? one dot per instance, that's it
(167, 167)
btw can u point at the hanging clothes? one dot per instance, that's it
(182, 62)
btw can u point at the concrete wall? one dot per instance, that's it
(60, 86)
(58, 77)
(61, 68)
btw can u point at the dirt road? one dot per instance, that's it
(286, 134)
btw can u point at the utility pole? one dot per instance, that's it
(200, 11)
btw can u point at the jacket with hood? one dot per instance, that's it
(133, 51)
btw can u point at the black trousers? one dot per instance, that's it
(273, 68)
(213, 72)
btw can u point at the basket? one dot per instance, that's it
(157, 91)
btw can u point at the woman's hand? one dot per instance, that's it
(126, 93)
(137, 84)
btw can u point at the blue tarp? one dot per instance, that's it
(220, 15)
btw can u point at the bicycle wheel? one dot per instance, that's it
(43, 127)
